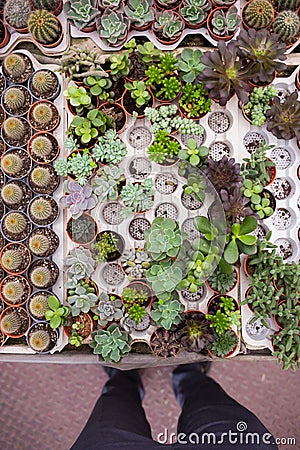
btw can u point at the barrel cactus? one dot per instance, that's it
(11, 260)
(44, 27)
(42, 81)
(41, 209)
(11, 163)
(38, 304)
(284, 5)
(258, 14)
(287, 26)
(42, 113)
(11, 322)
(39, 340)
(17, 12)
(40, 276)
(13, 291)
(14, 65)
(14, 98)
(41, 176)
(38, 244)
(15, 222)
(41, 146)
(12, 193)
(14, 128)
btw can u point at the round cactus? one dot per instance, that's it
(14, 128)
(11, 164)
(284, 5)
(11, 323)
(42, 81)
(44, 27)
(40, 276)
(38, 304)
(17, 12)
(15, 222)
(12, 194)
(287, 25)
(41, 209)
(41, 176)
(38, 244)
(41, 146)
(42, 113)
(14, 98)
(13, 291)
(39, 340)
(258, 14)
(11, 260)
(14, 64)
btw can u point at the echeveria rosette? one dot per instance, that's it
(163, 239)
(80, 263)
(224, 74)
(78, 198)
(111, 344)
(81, 13)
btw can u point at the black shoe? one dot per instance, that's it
(110, 371)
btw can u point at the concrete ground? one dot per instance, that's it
(45, 406)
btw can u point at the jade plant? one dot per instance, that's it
(80, 263)
(120, 65)
(139, 93)
(57, 314)
(259, 103)
(113, 28)
(194, 101)
(44, 27)
(80, 295)
(111, 344)
(239, 240)
(108, 309)
(91, 126)
(138, 197)
(82, 13)
(100, 87)
(166, 314)
(195, 155)
(77, 198)
(109, 149)
(78, 97)
(164, 148)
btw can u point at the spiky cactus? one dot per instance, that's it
(258, 14)
(12, 194)
(11, 164)
(14, 98)
(41, 209)
(41, 146)
(15, 222)
(38, 244)
(39, 340)
(38, 304)
(287, 25)
(284, 5)
(49, 5)
(42, 81)
(42, 113)
(40, 276)
(14, 65)
(17, 12)
(11, 323)
(40, 176)
(11, 260)
(14, 128)
(13, 291)
(44, 27)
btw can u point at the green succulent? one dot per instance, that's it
(164, 276)
(113, 28)
(224, 344)
(109, 148)
(148, 52)
(194, 100)
(111, 344)
(79, 98)
(89, 127)
(81, 13)
(163, 239)
(169, 89)
(194, 154)
(287, 347)
(57, 314)
(132, 296)
(109, 309)
(225, 23)
(138, 197)
(81, 296)
(105, 245)
(168, 24)
(137, 313)
(194, 12)
(79, 164)
(139, 93)
(164, 148)
(107, 183)
(240, 241)
(167, 313)
(139, 12)
(259, 104)
(120, 65)
(189, 64)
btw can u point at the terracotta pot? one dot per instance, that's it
(225, 293)
(107, 104)
(247, 27)
(297, 79)
(142, 115)
(229, 354)
(68, 328)
(33, 106)
(28, 257)
(57, 10)
(142, 28)
(216, 297)
(143, 286)
(6, 37)
(265, 84)
(72, 109)
(164, 7)
(168, 41)
(4, 116)
(15, 304)
(10, 309)
(18, 30)
(79, 243)
(216, 36)
(54, 44)
(29, 150)
(89, 28)
(273, 173)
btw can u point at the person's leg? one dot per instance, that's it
(206, 408)
(118, 419)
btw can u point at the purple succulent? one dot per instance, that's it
(224, 174)
(77, 198)
(235, 206)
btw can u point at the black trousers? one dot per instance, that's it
(209, 417)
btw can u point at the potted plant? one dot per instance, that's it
(16, 131)
(43, 116)
(109, 149)
(136, 98)
(135, 262)
(37, 305)
(168, 313)
(195, 12)
(109, 309)
(137, 293)
(164, 150)
(224, 345)
(286, 346)
(16, 14)
(113, 28)
(43, 210)
(137, 197)
(81, 295)
(16, 100)
(77, 198)
(79, 62)
(79, 165)
(222, 23)
(194, 102)
(195, 333)
(54, 6)
(283, 118)
(111, 345)
(108, 183)
(258, 14)
(17, 68)
(45, 28)
(43, 148)
(43, 179)
(162, 78)
(79, 100)
(14, 322)
(44, 84)
(109, 246)
(15, 226)
(102, 87)
(82, 14)
(287, 26)
(4, 34)
(41, 338)
(56, 313)
(260, 99)
(16, 163)
(168, 27)
(165, 343)
(15, 195)
(43, 273)
(166, 118)
(43, 242)
(15, 258)
(14, 290)
(259, 168)
(139, 13)
(221, 282)
(83, 230)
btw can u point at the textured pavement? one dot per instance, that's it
(45, 406)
